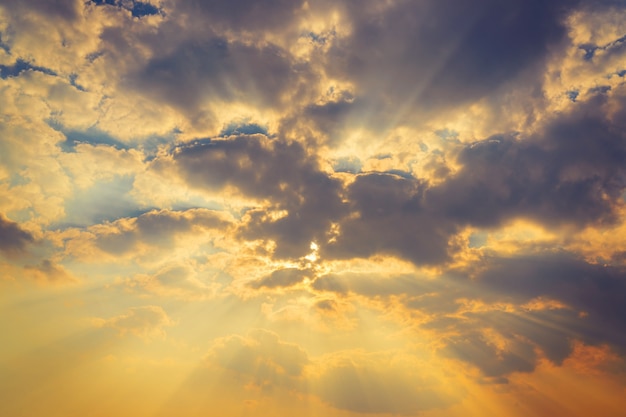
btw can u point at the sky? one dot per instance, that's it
(339, 208)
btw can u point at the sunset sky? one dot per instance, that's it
(337, 208)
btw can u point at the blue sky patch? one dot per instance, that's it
(137, 8)
(242, 129)
(15, 70)
(91, 136)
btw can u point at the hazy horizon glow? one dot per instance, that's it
(319, 208)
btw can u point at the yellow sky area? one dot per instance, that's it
(137, 362)
(512, 238)
(159, 356)
(604, 245)
(549, 391)
(596, 244)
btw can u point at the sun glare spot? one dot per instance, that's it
(313, 256)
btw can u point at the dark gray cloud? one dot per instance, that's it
(474, 348)
(244, 15)
(387, 215)
(591, 309)
(571, 172)
(525, 338)
(595, 296)
(13, 239)
(281, 278)
(156, 224)
(330, 118)
(437, 54)
(157, 228)
(281, 173)
(217, 69)
(67, 10)
(326, 305)
(598, 291)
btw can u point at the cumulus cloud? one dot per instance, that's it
(261, 356)
(596, 291)
(181, 281)
(278, 173)
(13, 240)
(570, 172)
(382, 383)
(49, 272)
(222, 71)
(281, 278)
(386, 382)
(131, 236)
(245, 15)
(388, 216)
(65, 10)
(435, 55)
(504, 314)
(147, 322)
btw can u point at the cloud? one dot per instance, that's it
(503, 314)
(434, 55)
(278, 173)
(65, 10)
(181, 281)
(597, 291)
(49, 272)
(473, 347)
(438, 182)
(388, 216)
(281, 278)
(245, 16)
(391, 383)
(147, 322)
(13, 240)
(262, 357)
(222, 70)
(568, 173)
(154, 229)
(23, 251)
(386, 382)
(137, 252)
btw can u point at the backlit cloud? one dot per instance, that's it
(147, 322)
